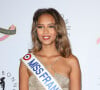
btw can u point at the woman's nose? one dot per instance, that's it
(46, 30)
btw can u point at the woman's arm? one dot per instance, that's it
(23, 77)
(75, 75)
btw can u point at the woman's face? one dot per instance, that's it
(46, 29)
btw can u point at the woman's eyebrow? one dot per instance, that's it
(40, 24)
(51, 24)
(47, 24)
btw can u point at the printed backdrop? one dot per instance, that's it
(82, 18)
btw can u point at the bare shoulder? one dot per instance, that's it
(22, 67)
(75, 73)
(72, 60)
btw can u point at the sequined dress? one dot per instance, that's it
(63, 81)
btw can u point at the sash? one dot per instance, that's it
(35, 66)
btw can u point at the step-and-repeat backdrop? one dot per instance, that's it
(82, 19)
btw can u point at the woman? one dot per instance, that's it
(52, 48)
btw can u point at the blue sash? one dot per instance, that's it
(35, 66)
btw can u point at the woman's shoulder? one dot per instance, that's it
(72, 60)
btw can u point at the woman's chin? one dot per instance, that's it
(47, 43)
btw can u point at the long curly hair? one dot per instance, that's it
(62, 42)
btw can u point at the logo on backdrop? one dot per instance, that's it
(98, 41)
(5, 33)
(67, 23)
(7, 79)
(2, 83)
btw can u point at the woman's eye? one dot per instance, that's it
(39, 27)
(52, 26)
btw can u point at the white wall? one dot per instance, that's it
(83, 17)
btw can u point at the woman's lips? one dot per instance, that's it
(46, 37)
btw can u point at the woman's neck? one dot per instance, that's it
(48, 50)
